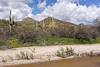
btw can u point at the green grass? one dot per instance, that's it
(66, 41)
(46, 41)
(59, 40)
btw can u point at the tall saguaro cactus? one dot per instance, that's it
(11, 22)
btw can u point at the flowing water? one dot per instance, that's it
(75, 62)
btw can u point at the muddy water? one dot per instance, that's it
(75, 62)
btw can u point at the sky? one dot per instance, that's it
(75, 11)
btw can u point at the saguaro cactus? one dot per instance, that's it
(11, 22)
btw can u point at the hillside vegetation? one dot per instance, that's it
(49, 31)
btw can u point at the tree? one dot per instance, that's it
(82, 32)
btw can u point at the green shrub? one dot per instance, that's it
(65, 52)
(61, 53)
(97, 40)
(13, 43)
(3, 43)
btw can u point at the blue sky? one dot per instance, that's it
(90, 2)
(37, 10)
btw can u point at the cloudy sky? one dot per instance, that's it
(76, 11)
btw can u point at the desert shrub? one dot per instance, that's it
(13, 43)
(61, 53)
(3, 43)
(97, 40)
(25, 55)
(42, 42)
(65, 52)
(69, 51)
(29, 37)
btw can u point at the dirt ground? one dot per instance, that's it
(74, 62)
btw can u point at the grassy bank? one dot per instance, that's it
(69, 41)
(46, 41)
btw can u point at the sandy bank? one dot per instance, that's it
(42, 54)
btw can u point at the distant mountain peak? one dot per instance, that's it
(47, 20)
(29, 19)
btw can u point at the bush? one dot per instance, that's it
(25, 56)
(97, 40)
(13, 43)
(3, 43)
(29, 37)
(65, 52)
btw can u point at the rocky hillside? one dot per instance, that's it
(29, 24)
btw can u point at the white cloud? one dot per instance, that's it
(62, 9)
(42, 5)
(68, 11)
(20, 9)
